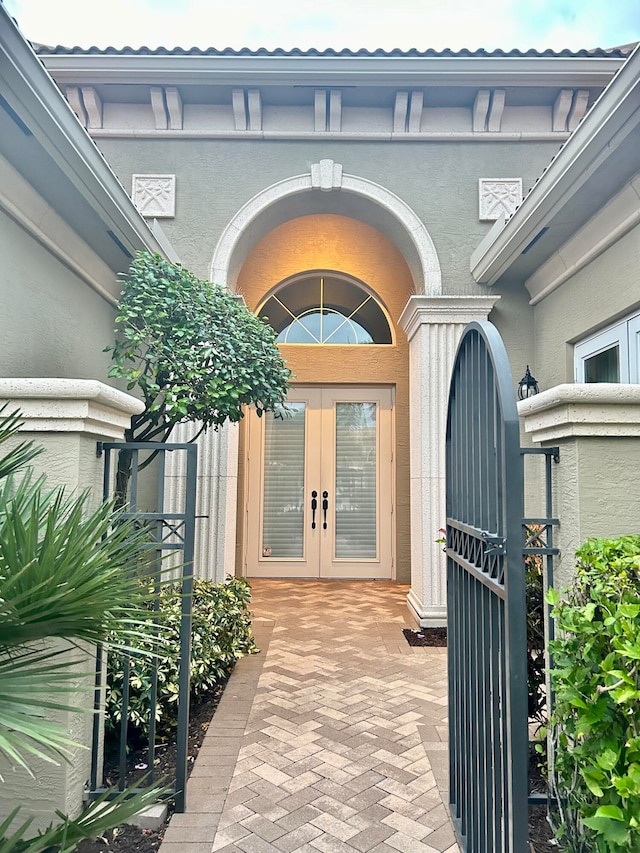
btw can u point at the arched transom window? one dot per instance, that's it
(325, 308)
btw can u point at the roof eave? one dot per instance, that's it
(58, 131)
(606, 125)
(333, 70)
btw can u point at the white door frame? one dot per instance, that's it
(318, 556)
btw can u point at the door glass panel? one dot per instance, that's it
(603, 367)
(283, 508)
(356, 481)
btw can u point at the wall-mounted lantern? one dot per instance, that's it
(527, 386)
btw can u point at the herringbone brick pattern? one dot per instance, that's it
(329, 740)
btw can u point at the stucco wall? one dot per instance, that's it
(69, 460)
(595, 484)
(597, 295)
(53, 324)
(513, 317)
(66, 422)
(439, 180)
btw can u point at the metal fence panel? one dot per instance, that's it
(170, 533)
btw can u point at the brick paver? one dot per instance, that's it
(332, 739)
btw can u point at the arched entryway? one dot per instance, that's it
(326, 188)
(426, 335)
(349, 398)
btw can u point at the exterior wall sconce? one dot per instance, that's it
(527, 387)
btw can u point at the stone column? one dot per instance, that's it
(215, 498)
(597, 428)
(66, 417)
(434, 326)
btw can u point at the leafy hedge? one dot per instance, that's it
(221, 634)
(596, 719)
(536, 672)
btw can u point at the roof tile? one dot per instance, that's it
(615, 52)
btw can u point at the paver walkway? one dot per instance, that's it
(332, 739)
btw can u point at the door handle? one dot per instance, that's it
(325, 507)
(314, 507)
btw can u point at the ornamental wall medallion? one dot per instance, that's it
(154, 195)
(499, 197)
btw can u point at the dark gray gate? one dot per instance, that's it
(487, 627)
(169, 532)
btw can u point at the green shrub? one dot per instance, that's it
(221, 634)
(536, 673)
(596, 719)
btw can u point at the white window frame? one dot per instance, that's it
(626, 336)
(634, 349)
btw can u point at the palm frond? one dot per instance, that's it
(20, 456)
(69, 576)
(103, 814)
(11, 843)
(63, 574)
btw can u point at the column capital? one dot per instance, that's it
(421, 310)
(70, 405)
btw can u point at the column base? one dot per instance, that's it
(427, 615)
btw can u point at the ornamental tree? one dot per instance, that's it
(192, 349)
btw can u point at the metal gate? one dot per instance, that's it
(170, 532)
(487, 626)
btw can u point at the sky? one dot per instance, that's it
(336, 24)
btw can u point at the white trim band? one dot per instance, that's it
(608, 410)
(70, 405)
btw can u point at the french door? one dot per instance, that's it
(320, 486)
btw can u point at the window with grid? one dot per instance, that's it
(326, 308)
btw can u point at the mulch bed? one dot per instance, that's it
(540, 834)
(434, 637)
(131, 839)
(124, 839)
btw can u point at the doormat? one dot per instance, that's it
(435, 637)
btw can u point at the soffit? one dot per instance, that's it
(28, 157)
(604, 183)
(434, 95)
(42, 140)
(598, 160)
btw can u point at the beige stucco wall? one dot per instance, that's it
(599, 294)
(438, 180)
(349, 246)
(595, 486)
(53, 324)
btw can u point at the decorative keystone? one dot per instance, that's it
(326, 176)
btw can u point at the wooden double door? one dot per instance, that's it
(320, 485)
